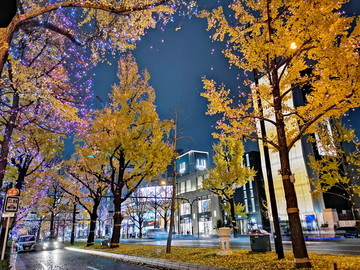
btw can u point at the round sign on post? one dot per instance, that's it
(12, 192)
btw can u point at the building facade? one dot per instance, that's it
(253, 196)
(314, 211)
(199, 210)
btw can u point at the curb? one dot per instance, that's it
(158, 263)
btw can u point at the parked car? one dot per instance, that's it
(347, 232)
(156, 233)
(26, 243)
(50, 243)
(258, 232)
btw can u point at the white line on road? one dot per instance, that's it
(93, 268)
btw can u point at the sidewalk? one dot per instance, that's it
(157, 263)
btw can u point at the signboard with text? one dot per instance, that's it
(11, 204)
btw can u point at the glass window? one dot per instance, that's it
(252, 204)
(247, 160)
(185, 208)
(188, 185)
(182, 167)
(199, 181)
(204, 204)
(201, 164)
(182, 187)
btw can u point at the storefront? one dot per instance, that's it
(205, 224)
(186, 224)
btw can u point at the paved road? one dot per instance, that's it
(62, 259)
(349, 246)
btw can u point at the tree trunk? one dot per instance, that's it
(91, 236)
(52, 224)
(165, 222)
(233, 217)
(298, 243)
(72, 237)
(5, 38)
(140, 230)
(115, 238)
(9, 129)
(39, 230)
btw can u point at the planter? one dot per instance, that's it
(224, 231)
(224, 234)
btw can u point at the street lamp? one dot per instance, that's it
(293, 46)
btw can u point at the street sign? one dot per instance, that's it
(11, 204)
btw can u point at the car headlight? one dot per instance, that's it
(45, 245)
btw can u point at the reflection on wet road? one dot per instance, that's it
(62, 259)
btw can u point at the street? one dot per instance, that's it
(62, 259)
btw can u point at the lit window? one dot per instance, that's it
(188, 185)
(182, 167)
(185, 209)
(199, 182)
(204, 204)
(330, 148)
(182, 187)
(253, 204)
(201, 164)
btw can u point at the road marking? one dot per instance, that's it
(43, 265)
(93, 268)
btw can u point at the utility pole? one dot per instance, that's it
(173, 197)
(277, 233)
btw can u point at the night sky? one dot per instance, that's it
(177, 60)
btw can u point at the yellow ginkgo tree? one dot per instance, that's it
(83, 188)
(126, 141)
(228, 174)
(280, 40)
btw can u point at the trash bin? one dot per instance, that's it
(260, 243)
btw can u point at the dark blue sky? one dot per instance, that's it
(177, 60)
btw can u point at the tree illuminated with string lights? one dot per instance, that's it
(75, 35)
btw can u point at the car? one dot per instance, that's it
(258, 232)
(156, 233)
(26, 243)
(50, 243)
(347, 232)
